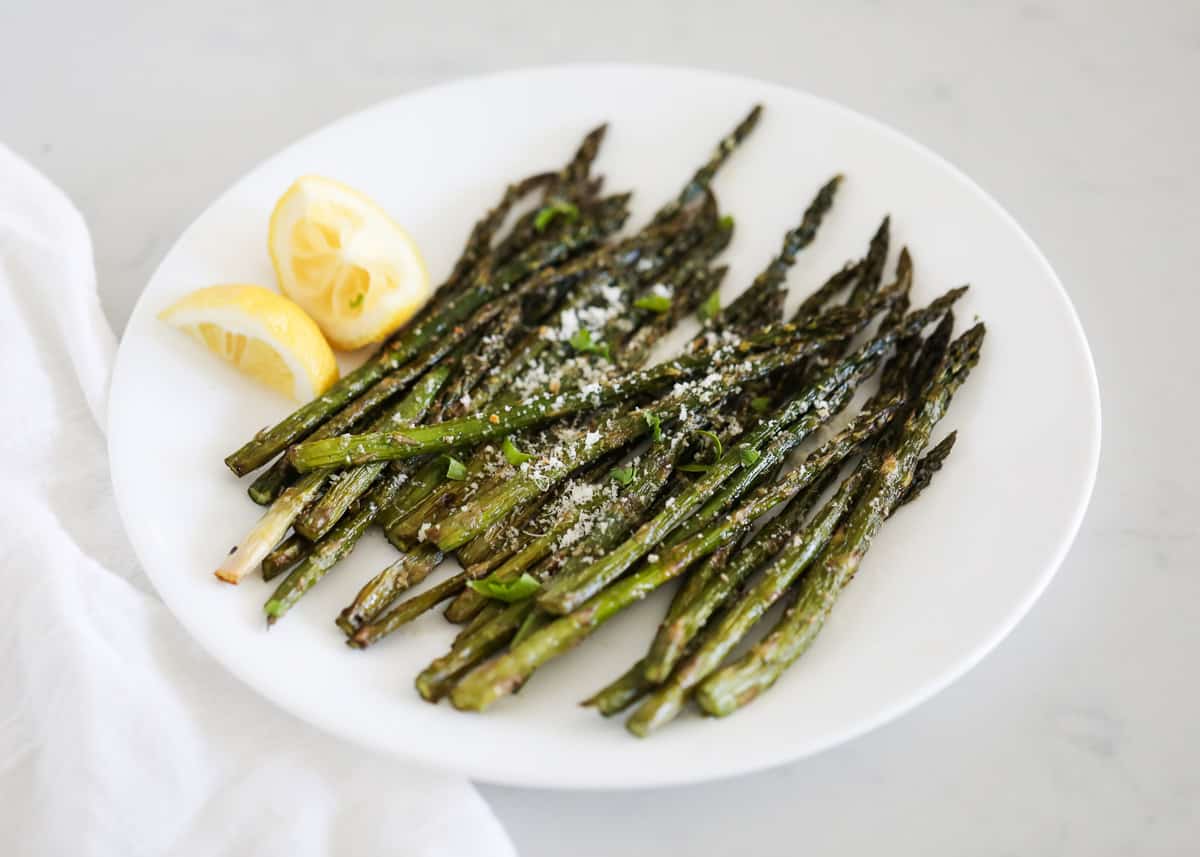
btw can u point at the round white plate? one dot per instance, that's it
(945, 581)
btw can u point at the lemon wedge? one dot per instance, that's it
(350, 266)
(262, 333)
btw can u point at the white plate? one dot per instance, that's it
(946, 580)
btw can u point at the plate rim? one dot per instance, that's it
(652, 778)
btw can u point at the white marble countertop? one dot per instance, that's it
(1079, 735)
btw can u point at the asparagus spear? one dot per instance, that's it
(330, 550)
(435, 681)
(773, 454)
(318, 518)
(685, 299)
(744, 680)
(484, 616)
(701, 595)
(486, 683)
(621, 692)
(665, 702)
(290, 505)
(407, 571)
(272, 526)
(703, 177)
(272, 481)
(268, 485)
(680, 627)
(927, 468)
(579, 505)
(494, 348)
(408, 610)
(823, 294)
(583, 235)
(767, 289)
(569, 185)
(632, 684)
(479, 240)
(423, 481)
(290, 551)
(871, 272)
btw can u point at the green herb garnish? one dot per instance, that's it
(622, 475)
(748, 454)
(655, 303)
(548, 212)
(710, 308)
(513, 455)
(655, 424)
(455, 469)
(507, 591)
(583, 343)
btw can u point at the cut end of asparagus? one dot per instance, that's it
(274, 609)
(431, 691)
(344, 622)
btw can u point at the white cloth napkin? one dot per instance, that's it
(118, 736)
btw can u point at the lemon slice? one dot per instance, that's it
(349, 265)
(262, 333)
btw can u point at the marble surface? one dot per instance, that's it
(1079, 735)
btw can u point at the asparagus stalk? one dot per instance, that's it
(487, 614)
(823, 294)
(741, 682)
(380, 591)
(701, 594)
(773, 455)
(318, 518)
(621, 692)
(423, 482)
(665, 702)
(703, 177)
(436, 680)
(871, 273)
(281, 472)
(408, 610)
(479, 240)
(767, 293)
(292, 503)
(486, 683)
(290, 551)
(330, 550)
(680, 627)
(268, 485)
(272, 527)
(927, 468)
(632, 684)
